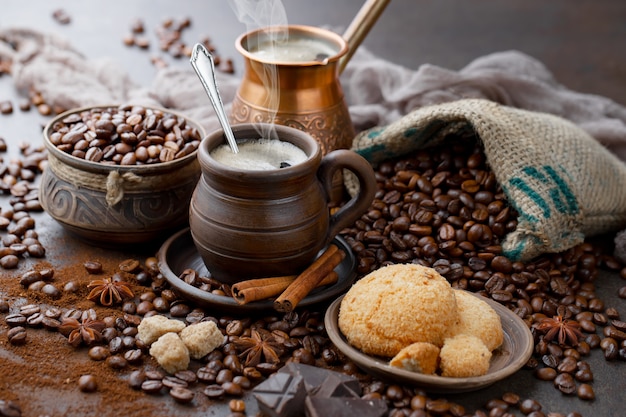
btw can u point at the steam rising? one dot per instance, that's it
(263, 14)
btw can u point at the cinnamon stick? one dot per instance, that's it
(259, 289)
(309, 279)
(245, 292)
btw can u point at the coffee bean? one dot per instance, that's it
(35, 319)
(136, 379)
(116, 362)
(214, 391)
(129, 265)
(9, 261)
(98, 353)
(133, 356)
(233, 389)
(237, 406)
(528, 406)
(207, 375)
(565, 383)
(180, 310)
(93, 267)
(171, 381)
(152, 386)
(585, 392)
(51, 291)
(511, 398)
(15, 319)
(584, 375)
(567, 365)
(437, 407)
(87, 383)
(181, 394)
(612, 332)
(232, 363)
(30, 277)
(187, 375)
(546, 374)
(223, 376)
(17, 335)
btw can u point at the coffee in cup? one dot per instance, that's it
(259, 155)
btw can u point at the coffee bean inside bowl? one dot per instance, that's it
(125, 135)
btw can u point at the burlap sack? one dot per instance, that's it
(563, 183)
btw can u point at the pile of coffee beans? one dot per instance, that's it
(125, 135)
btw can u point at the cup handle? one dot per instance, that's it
(358, 204)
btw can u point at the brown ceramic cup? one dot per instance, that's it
(258, 223)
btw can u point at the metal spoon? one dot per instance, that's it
(202, 62)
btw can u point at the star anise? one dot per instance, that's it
(564, 330)
(87, 331)
(259, 345)
(109, 291)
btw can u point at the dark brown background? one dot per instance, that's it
(581, 41)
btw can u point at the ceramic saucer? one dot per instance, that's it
(179, 253)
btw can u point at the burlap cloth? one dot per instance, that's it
(380, 93)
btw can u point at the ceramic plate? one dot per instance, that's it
(179, 253)
(507, 359)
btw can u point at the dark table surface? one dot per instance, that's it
(581, 41)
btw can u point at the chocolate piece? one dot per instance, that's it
(344, 407)
(281, 395)
(333, 386)
(314, 377)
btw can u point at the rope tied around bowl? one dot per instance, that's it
(115, 186)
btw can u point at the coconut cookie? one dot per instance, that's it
(477, 318)
(464, 356)
(396, 306)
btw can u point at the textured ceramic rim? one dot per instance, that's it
(518, 345)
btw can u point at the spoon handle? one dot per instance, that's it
(202, 62)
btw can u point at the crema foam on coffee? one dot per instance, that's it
(259, 155)
(294, 50)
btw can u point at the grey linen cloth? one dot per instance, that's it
(378, 92)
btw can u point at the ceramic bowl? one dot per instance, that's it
(109, 204)
(510, 357)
